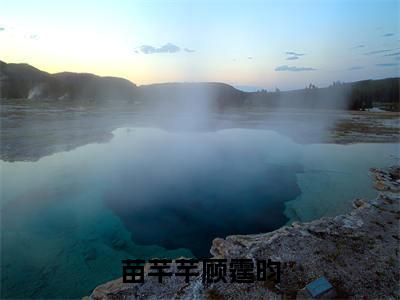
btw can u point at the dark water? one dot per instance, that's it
(214, 200)
(69, 219)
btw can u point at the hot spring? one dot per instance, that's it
(70, 218)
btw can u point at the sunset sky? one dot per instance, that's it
(285, 44)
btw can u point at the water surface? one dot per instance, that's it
(68, 219)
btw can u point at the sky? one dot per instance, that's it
(267, 44)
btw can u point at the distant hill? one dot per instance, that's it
(383, 93)
(212, 94)
(24, 81)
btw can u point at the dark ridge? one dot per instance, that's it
(22, 81)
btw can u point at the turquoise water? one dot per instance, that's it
(68, 219)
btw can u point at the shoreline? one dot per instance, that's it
(357, 252)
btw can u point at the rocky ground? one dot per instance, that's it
(367, 127)
(358, 253)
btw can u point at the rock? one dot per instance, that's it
(359, 203)
(381, 186)
(395, 173)
(387, 180)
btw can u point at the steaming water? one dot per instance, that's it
(68, 219)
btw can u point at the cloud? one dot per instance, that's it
(393, 54)
(167, 48)
(377, 51)
(358, 46)
(388, 34)
(294, 53)
(293, 69)
(249, 57)
(380, 51)
(387, 65)
(354, 68)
